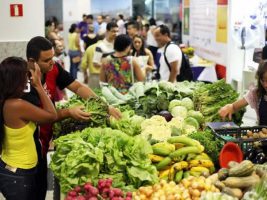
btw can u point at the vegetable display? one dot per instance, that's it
(189, 188)
(209, 98)
(103, 190)
(97, 108)
(179, 157)
(99, 153)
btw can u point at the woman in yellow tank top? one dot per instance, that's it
(74, 50)
(18, 120)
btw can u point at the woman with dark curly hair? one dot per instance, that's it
(18, 120)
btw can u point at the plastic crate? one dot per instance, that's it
(235, 135)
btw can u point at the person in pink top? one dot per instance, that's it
(256, 98)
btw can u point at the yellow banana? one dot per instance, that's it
(164, 173)
(199, 169)
(201, 163)
(180, 165)
(195, 174)
(155, 158)
(202, 156)
(171, 173)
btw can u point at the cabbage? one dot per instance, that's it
(188, 103)
(174, 103)
(191, 121)
(197, 115)
(179, 111)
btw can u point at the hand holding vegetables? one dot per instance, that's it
(226, 111)
(78, 113)
(114, 112)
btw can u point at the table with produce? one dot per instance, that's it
(161, 148)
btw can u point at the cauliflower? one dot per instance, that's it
(179, 111)
(160, 133)
(188, 129)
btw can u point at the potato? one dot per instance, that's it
(264, 130)
(256, 135)
(262, 135)
(249, 133)
(245, 137)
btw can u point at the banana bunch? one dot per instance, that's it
(180, 157)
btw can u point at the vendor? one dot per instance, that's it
(256, 98)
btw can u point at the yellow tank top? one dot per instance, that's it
(72, 41)
(18, 148)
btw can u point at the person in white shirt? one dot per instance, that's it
(121, 24)
(173, 54)
(102, 24)
(106, 46)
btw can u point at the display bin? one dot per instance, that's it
(235, 135)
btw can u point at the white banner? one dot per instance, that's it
(208, 29)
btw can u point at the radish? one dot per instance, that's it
(72, 193)
(77, 189)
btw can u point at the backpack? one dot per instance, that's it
(186, 73)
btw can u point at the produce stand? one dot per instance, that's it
(160, 147)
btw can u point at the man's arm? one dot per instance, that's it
(174, 71)
(77, 112)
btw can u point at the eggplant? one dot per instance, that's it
(166, 114)
(250, 154)
(260, 158)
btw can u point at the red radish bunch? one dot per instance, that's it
(103, 190)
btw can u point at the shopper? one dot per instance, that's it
(172, 53)
(105, 47)
(41, 51)
(121, 24)
(144, 55)
(132, 28)
(119, 69)
(102, 24)
(18, 123)
(91, 38)
(74, 50)
(83, 26)
(151, 42)
(256, 98)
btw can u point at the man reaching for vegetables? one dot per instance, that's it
(40, 50)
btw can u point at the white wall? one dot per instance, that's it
(72, 13)
(21, 28)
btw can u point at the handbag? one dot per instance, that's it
(76, 59)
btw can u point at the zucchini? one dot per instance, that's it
(164, 163)
(178, 176)
(182, 139)
(184, 151)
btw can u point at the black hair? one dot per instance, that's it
(48, 23)
(152, 22)
(133, 23)
(142, 49)
(13, 79)
(121, 16)
(264, 53)
(122, 42)
(262, 69)
(164, 30)
(36, 45)
(84, 15)
(72, 28)
(111, 25)
(90, 17)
